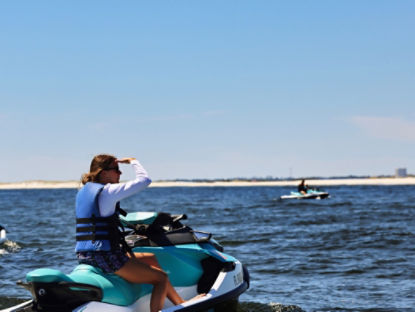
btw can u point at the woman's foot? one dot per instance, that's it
(196, 297)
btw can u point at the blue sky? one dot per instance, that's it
(207, 89)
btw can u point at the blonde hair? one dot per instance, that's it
(98, 163)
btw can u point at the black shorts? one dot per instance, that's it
(107, 261)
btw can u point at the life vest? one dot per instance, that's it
(94, 232)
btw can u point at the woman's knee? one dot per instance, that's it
(148, 258)
(162, 277)
(153, 261)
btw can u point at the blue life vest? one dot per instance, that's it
(94, 232)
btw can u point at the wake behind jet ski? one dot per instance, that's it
(194, 261)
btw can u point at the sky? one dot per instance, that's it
(207, 89)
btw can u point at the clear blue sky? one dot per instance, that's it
(207, 89)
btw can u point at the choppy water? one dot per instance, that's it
(352, 252)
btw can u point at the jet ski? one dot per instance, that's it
(3, 236)
(311, 194)
(194, 261)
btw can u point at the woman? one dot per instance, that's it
(100, 243)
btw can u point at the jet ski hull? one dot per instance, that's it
(313, 195)
(222, 297)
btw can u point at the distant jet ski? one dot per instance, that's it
(311, 194)
(3, 237)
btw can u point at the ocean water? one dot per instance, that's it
(352, 252)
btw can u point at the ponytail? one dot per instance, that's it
(91, 176)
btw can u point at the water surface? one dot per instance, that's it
(352, 252)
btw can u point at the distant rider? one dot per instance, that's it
(302, 188)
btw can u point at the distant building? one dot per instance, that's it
(400, 173)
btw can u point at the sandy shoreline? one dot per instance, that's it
(322, 182)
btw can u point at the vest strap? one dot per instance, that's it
(92, 237)
(120, 210)
(93, 228)
(93, 220)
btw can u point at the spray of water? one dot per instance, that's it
(8, 247)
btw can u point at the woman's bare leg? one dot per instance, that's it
(136, 271)
(151, 260)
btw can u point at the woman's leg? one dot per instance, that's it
(147, 257)
(151, 260)
(136, 271)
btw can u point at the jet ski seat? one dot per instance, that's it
(115, 290)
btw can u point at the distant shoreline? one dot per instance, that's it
(235, 183)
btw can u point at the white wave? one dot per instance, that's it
(9, 246)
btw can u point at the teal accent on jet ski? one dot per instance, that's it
(115, 289)
(139, 217)
(45, 275)
(180, 262)
(297, 194)
(310, 192)
(217, 254)
(301, 194)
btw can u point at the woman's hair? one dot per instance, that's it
(98, 163)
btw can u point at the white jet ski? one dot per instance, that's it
(311, 194)
(194, 261)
